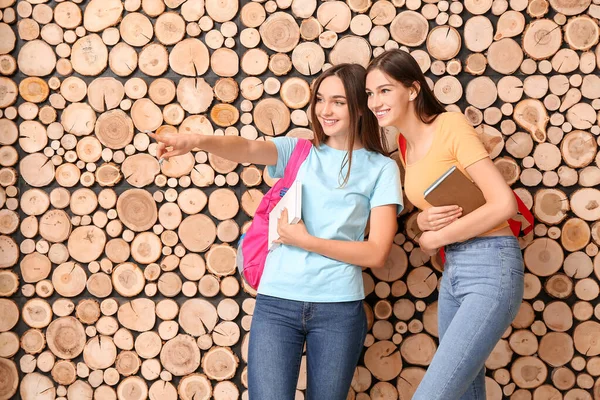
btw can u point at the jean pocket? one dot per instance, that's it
(513, 260)
(517, 284)
(512, 263)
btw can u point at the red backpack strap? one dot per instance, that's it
(526, 213)
(298, 156)
(402, 148)
(515, 225)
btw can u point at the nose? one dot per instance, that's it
(326, 108)
(374, 102)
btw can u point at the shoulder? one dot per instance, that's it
(451, 120)
(376, 158)
(285, 145)
(284, 140)
(382, 164)
(453, 125)
(372, 162)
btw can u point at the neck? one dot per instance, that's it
(341, 142)
(412, 128)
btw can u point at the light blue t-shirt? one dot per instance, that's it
(329, 212)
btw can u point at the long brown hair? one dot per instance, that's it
(402, 67)
(363, 124)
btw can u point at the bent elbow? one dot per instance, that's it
(505, 208)
(512, 207)
(379, 262)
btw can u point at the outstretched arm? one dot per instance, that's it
(233, 148)
(372, 253)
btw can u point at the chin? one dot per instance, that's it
(389, 120)
(386, 121)
(331, 134)
(332, 130)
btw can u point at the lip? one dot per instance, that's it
(329, 121)
(381, 113)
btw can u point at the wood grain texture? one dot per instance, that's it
(117, 274)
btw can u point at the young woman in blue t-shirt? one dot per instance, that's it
(311, 290)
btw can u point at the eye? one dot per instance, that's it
(385, 90)
(319, 100)
(369, 94)
(339, 103)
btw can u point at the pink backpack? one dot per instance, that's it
(253, 246)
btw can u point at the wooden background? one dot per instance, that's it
(117, 275)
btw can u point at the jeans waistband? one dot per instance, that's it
(485, 242)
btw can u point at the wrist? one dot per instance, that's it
(305, 242)
(440, 238)
(420, 222)
(197, 140)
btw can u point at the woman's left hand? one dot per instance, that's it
(429, 242)
(291, 234)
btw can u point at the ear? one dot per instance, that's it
(415, 88)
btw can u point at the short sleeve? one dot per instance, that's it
(285, 147)
(465, 144)
(387, 188)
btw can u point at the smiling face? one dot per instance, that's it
(331, 107)
(389, 99)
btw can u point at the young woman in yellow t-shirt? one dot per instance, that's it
(482, 283)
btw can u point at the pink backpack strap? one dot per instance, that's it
(298, 156)
(253, 248)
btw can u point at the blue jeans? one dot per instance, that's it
(480, 295)
(334, 334)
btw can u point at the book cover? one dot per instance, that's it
(292, 200)
(454, 188)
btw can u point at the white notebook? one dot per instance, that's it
(292, 200)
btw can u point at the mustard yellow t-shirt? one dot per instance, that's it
(455, 142)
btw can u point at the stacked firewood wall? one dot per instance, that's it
(117, 273)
